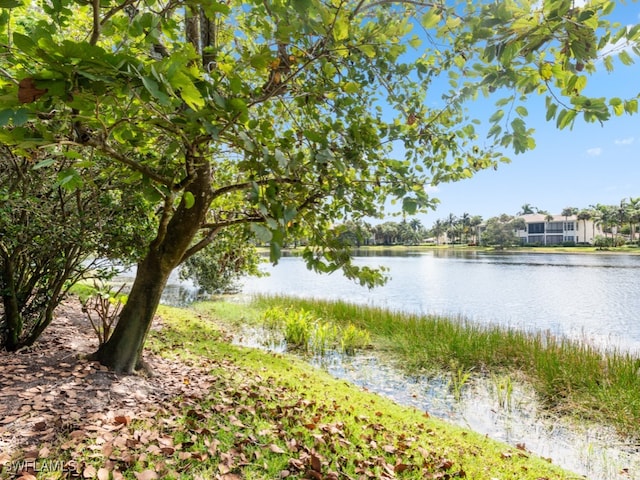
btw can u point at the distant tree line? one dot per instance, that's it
(620, 223)
(360, 233)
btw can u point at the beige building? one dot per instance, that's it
(544, 229)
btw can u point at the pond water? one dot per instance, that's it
(589, 297)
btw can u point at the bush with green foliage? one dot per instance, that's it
(217, 268)
(57, 225)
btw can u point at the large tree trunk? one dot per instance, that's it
(123, 350)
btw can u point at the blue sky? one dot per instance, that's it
(592, 163)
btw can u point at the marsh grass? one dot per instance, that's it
(568, 376)
(503, 386)
(302, 330)
(458, 378)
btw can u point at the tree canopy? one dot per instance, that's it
(287, 116)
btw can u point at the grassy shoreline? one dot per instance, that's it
(624, 250)
(569, 377)
(308, 425)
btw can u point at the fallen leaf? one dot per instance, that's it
(89, 472)
(146, 475)
(276, 449)
(28, 92)
(103, 474)
(122, 420)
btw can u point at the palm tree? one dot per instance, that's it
(475, 221)
(604, 216)
(584, 215)
(452, 221)
(437, 230)
(633, 213)
(464, 222)
(567, 212)
(548, 218)
(527, 209)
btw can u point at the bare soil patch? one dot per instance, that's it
(50, 392)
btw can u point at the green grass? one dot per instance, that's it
(280, 414)
(260, 416)
(568, 376)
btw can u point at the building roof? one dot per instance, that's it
(542, 217)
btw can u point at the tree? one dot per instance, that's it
(584, 215)
(501, 231)
(452, 228)
(216, 268)
(474, 223)
(57, 225)
(438, 229)
(355, 233)
(283, 115)
(605, 217)
(633, 214)
(527, 209)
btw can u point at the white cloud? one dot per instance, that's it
(624, 141)
(594, 152)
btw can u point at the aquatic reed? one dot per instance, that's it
(568, 375)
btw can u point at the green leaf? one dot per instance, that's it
(409, 205)
(496, 117)
(154, 89)
(69, 179)
(274, 252)
(566, 118)
(151, 193)
(21, 116)
(341, 28)
(546, 71)
(631, 106)
(430, 19)
(10, 3)
(625, 58)
(289, 214)
(552, 109)
(188, 91)
(5, 116)
(262, 233)
(44, 163)
(24, 43)
(351, 87)
(522, 111)
(188, 199)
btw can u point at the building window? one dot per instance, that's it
(535, 228)
(554, 227)
(554, 239)
(570, 226)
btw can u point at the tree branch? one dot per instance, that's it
(101, 146)
(244, 185)
(418, 3)
(95, 34)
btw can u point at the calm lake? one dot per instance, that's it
(594, 298)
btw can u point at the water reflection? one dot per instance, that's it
(586, 297)
(498, 407)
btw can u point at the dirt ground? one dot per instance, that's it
(50, 391)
